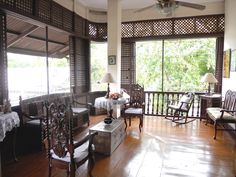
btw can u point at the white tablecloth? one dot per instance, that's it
(7, 123)
(102, 102)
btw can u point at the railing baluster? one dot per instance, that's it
(156, 102)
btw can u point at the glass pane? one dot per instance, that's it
(186, 61)
(149, 65)
(98, 65)
(59, 75)
(26, 77)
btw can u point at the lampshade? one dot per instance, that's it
(107, 78)
(209, 78)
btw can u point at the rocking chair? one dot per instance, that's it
(180, 109)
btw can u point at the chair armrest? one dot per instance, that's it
(88, 137)
(83, 104)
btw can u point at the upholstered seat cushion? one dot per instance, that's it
(177, 107)
(215, 113)
(79, 110)
(80, 153)
(134, 111)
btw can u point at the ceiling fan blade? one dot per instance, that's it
(191, 5)
(97, 12)
(145, 8)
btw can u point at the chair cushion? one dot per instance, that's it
(80, 153)
(134, 111)
(79, 110)
(33, 122)
(185, 99)
(215, 114)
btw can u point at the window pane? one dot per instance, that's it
(98, 65)
(59, 75)
(26, 77)
(149, 65)
(186, 61)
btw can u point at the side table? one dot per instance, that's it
(207, 101)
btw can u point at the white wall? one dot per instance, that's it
(230, 40)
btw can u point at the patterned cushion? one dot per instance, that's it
(215, 114)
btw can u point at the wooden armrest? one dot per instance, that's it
(86, 138)
(85, 104)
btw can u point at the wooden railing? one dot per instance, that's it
(156, 103)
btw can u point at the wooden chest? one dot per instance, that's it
(109, 136)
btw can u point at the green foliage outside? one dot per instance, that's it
(98, 65)
(185, 62)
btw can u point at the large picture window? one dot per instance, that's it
(98, 65)
(175, 65)
(27, 76)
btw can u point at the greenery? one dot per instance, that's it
(185, 62)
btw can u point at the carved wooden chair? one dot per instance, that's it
(182, 107)
(62, 151)
(135, 107)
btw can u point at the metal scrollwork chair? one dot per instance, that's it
(181, 108)
(62, 150)
(135, 107)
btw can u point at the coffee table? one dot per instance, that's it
(109, 136)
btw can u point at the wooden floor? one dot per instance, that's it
(162, 149)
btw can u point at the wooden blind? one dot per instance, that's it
(79, 65)
(219, 63)
(3, 59)
(128, 64)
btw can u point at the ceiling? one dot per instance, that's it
(133, 4)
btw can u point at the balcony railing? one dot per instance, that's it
(157, 102)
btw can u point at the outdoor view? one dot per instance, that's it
(179, 68)
(27, 76)
(185, 62)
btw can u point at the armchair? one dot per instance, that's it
(181, 108)
(135, 106)
(62, 151)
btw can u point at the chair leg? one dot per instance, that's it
(215, 125)
(186, 117)
(129, 121)
(49, 169)
(91, 164)
(125, 123)
(140, 123)
(166, 113)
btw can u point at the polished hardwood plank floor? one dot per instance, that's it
(162, 149)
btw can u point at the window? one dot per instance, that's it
(27, 76)
(59, 75)
(185, 61)
(98, 65)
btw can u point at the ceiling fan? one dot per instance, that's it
(168, 6)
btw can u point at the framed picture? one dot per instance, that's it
(227, 56)
(233, 61)
(112, 60)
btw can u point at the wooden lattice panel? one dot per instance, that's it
(184, 26)
(207, 25)
(127, 30)
(162, 28)
(92, 30)
(101, 31)
(44, 10)
(143, 29)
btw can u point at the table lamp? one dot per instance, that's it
(107, 78)
(210, 79)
